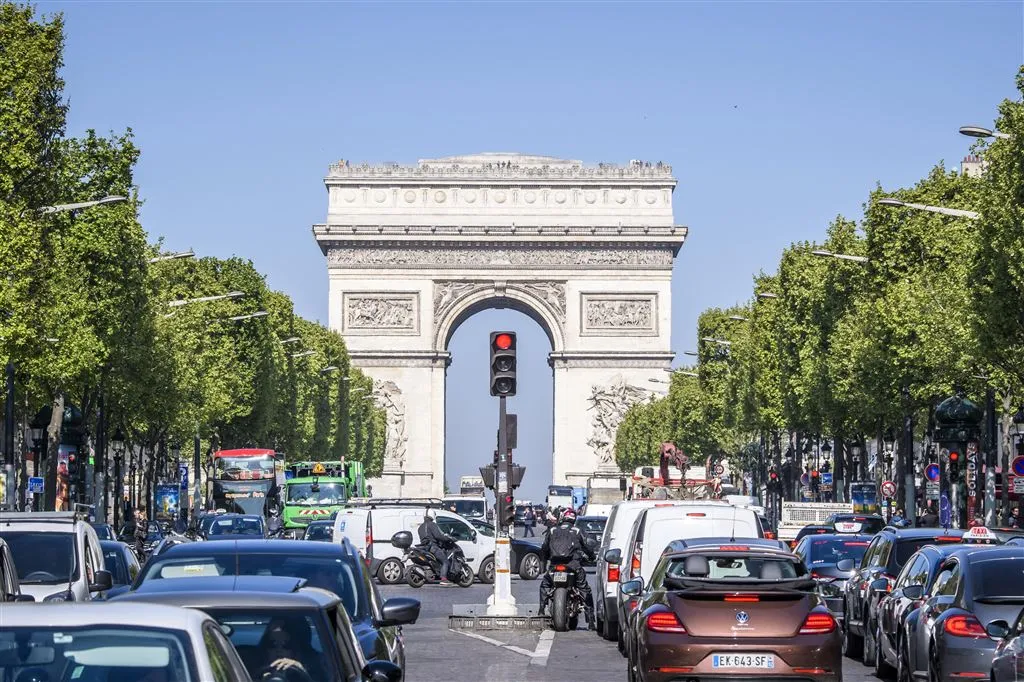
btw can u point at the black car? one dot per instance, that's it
(813, 529)
(104, 531)
(335, 567)
(911, 589)
(875, 576)
(270, 618)
(862, 524)
(525, 554)
(232, 526)
(120, 560)
(319, 531)
(821, 555)
(592, 528)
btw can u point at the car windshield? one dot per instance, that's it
(906, 548)
(832, 551)
(485, 529)
(237, 525)
(303, 494)
(336, 574)
(739, 567)
(321, 532)
(591, 525)
(852, 523)
(262, 637)
(467, 508)
(234, 468)
(103, 531)
(43, 557)
(999, 580)
(95, 652)
(113, 561)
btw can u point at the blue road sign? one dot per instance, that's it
(945, 510)
(932, 472)
(826, 478)
(183, 476)
(35, 485)
(1018, 466)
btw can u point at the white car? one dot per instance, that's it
(101, 641)
(371, 527)
(57, 554)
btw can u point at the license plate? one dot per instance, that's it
(764, 661)
(561, 577)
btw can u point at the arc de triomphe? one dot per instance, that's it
(587, 252)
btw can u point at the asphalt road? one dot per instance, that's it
(434, 652)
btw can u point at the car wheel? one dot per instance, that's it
(852, 644)
(390, 571)
(882, 667)
(486, 573)
(529, 567)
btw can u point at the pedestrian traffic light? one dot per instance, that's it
(503, 364)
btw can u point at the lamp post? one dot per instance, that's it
(955, 212)
(979, 131)
(118, 443)
(173, 256)
(822, 253)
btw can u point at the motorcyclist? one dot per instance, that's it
(274, 523)
(437, 542)
(563, 544)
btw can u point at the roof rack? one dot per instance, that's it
(395, 501)
(44, 517)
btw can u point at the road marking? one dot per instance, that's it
(537, 657)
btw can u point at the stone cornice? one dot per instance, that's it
(399, 358)
(333, 232)
(344, 173)
(612, 359)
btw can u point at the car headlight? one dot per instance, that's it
(60, 596)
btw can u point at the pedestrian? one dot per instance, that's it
(1020, 517)
(529, 522)
(929, 519)
(899, 518)
(141, 532)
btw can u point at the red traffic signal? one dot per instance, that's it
(953, 456)
(503, 341)
(508, 499)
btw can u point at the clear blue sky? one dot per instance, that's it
(775, 116)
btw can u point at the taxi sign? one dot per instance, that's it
(318, 469)
(848, 527)
(980, 534)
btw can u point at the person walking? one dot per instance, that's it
(141, 532)
(529, 522)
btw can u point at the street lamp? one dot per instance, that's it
(691, 352)
(979, 131)
(720, 342)
(117, 442)
(686, 374)
(841, 256)
(739, 318)
(304, 354)
(258, 313)
(173, 256)
(767, 294)
(290, 339)
(957, 212)
(188, 301)
(61, 208)
(329, 369)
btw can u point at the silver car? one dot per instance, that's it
(127, 642)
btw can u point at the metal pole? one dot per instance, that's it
(502, 603)
(909, 489)
(10, 494)
(990, 458)
(118, 496)
(196, 456)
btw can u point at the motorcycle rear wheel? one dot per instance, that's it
(466, 578)
(414, 577)
(560, 610)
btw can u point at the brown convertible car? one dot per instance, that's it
(739, 609)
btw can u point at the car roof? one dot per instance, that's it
(273, 584)
(678, 546)
(990, 553)
(113, 544)
(305, 597)
(329, 522)
(101, 613)
(910, 533)
(256, 546)
(857, 537)
(592, 518)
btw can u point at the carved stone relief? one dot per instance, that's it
(552, 293)
(490, 257)
(389, 312)
(609, 403)
(447, 294)
(628, 314)
(388, 395)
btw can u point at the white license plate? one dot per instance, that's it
(763, 661)
(561, 577)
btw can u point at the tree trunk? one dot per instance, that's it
(1006, 421)
(53, 432)
(838, 476)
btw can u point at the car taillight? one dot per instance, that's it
(634, 566)
(613, 574)
(734, 548)
(818, 624)
(743, 598)
(665, 621)
(964, 626)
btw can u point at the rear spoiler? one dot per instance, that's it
(717, 586)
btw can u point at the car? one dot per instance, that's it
(270, 618)
(1008, 661)
(231, 526)
(726, 609)
(337, 567)
(875, 575)
(104, 531)
(115, 641)
(123, 565)
(1005, 535)
(591, 528)
(154, 534)
(657, 526)
(169, 541)
(821, 555)
(525, 554)
(320, 531)
(10, 586)
(863, 524)
(57, 555)
(976, 590)
(813, 529)
(898, 609)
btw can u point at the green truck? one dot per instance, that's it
(314, 491)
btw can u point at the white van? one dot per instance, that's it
(657, 526)
(616, 532)
(370, 529)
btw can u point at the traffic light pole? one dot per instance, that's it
(502, 603)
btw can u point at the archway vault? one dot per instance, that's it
(413, 252)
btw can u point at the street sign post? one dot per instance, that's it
(888, 489)
(1018, 465)
(932, 472)
(35, 485)
(719, 469)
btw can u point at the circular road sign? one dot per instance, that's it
(1018, 466)
(931, 472)
(720, 469)
(888, 488)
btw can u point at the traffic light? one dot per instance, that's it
(954, 465)
(773, 480)
(503, 364)
(506, 510)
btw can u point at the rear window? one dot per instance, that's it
(735, 568)
(858, 524)
(590, 525)
(830, 551)
(687, 523)
(906, 548)
(999, 578)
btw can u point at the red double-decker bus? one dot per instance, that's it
(246, 478)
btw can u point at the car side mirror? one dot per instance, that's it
(613, 556)
(632, 588)
(997, 629)
(846, 565)
(382, 671)
(913, 591)
(399, 611)
(102, 581)
(880, 585)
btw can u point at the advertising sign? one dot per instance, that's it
(826, 481)
(864, 496)
(167, 497)
(972, 480)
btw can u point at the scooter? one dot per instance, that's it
(422, 566)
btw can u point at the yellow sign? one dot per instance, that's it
(318, 468)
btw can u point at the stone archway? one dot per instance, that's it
(586, 252)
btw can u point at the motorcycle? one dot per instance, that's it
(567, 603)
(422, 566)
